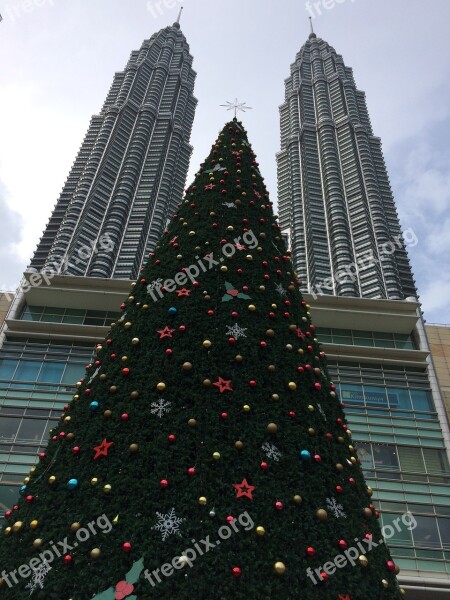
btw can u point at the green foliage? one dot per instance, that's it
(277, 396)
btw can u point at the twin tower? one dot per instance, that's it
(335, 202)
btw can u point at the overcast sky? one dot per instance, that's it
(58, 57)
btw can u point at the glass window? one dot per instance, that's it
(31, 429)
(352, 394)
(365, 456)
(9, 494)
(436, 460)
(399, 398)
(385, 456)
(7, 368)
(53, 310)
(73, 373)
(411, 459)
(27, 370)
(51, 372)
(444, 528)
(8, 427)
(426, 532)
(395, 531)
(421, 400)
(375, 395)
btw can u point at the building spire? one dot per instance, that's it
(312, 34)
(179, 16)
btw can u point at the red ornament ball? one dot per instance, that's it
(172, 438)
(236, 572)
(310, 551)
(342, 544)
(126, 547)
(67, 559)
(163, 484)
(279, 505)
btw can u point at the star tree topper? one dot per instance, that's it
(236, 106)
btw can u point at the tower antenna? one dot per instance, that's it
(311, 25)
(179, 15)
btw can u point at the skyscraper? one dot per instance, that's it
(125, 183)
(335, 201)
(337, 211)
(131, 168)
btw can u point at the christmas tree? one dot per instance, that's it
(205, 454)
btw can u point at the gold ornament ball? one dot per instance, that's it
(300, 351)
(311, 431)
(107, 488)
(262, 288)
(26, 480)
(239, 445)
(127, 325)
(310, 408)
(207, 382)
(271, 368)
(70, 436)
(34, 524)
(369, 491)
(397, 569)
(145, 307)
(32, 470)
(67, 419)
(251, 307)
(187, 366)
(402, 592)
(270, 333)
(259, 249)
(134, 394)
(102, 377)
(272, 427)
(17, 526)
(291, 288)
(230, 228)
(351, 448)
(133, 448)
(207, 344)
(249, 257)
(280, 568)
(339, 467)
(202, 500)
(216, 455)
(52, 479)
(292, 327)
(238, 358)
(367, 512)
(95, 553)
(274, 306)
(292, 385)
(191, 233)
(94, 481)
(107, 413)
(298, 499)
(7, 531)
(135, 341)
(363, 560)
(224, 268)
(321, 514)
(161, 386)
(260, 530)
(317, 371)
(289, 346)
(385, 583)
(37, 543)
(75, 527)
(246, 408)
(353, 460)
(113, 389)
(124, 358)
(275, 397)
(340, 439)
(192, 422)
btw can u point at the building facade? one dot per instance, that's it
(338, 215)
(131, 169)
(439, 340)
(124, 185)
(336, 206)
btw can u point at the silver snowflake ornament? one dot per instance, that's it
(236, 106)
(236, 331)
(335, 508)
(229, 204)
(271, 451)
(160, 408)
(280, 289)
(168, 524)
(39, 574)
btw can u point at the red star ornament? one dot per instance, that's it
(346, 597)
(224, 385)
(244, 489)
(102, 450)
(300, 334)
(166, 332)
(183, 292)
(210, 186)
